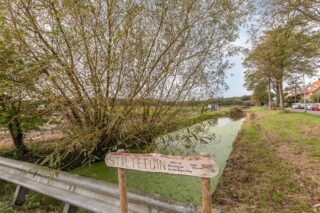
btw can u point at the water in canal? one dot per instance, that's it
(218, 137)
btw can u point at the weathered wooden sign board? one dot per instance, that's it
(198, 166)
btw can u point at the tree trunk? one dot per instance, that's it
(295, 93)
(146, 113)
(281, 98)
(277, 90)
(17, 136)
(269, 94)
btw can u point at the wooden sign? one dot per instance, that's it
(198, 166)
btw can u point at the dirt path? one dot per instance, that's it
(306, 166)
(32, 137)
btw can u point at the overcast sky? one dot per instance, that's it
(235, 76)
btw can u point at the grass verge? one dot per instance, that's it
(256, 179)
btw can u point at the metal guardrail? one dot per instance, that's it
(81, 192)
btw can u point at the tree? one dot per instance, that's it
(259, 84)
(316, 97)
(309, 8)
(295, 85)
(102, 60)
(282, 53)
(16, 83)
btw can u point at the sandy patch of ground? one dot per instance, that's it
(31, 137)
(306, 166)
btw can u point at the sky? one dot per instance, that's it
(235, 76)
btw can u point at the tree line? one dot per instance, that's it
(285, 48)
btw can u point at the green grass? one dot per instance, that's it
(183, 122)
(256, 179)
(300, 129)
(6, 195)
(258, 109)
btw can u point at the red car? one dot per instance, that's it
(315, 108)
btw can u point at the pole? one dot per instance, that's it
(122, 188)
(206, 192)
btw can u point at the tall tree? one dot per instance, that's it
(282, 53)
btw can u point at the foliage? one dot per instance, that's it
(316, 97)
(101, 61)
(16, 85)
(230, 101)
(280, 54)
(259, 84)
(309, 8)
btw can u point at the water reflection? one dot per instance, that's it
(221, 134)
(202, 136)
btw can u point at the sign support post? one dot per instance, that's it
(122, 188)
(206, 192)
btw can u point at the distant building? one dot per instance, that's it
(293, 94)
(213, 107)
(311, 89)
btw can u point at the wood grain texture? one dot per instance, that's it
(206, 196)
(197, 166)
(123, 190)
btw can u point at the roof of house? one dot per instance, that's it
(311, 87)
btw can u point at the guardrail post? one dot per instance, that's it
(68, 208)
(206, 192)
(20, 195)
(122, 188)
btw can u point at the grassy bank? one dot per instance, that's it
(274, 166)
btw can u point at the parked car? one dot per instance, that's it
(315, 107)
(309, 106)
(297, 106)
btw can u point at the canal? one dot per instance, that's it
(217, 138)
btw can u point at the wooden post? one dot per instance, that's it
(68, 208)
(122, 188)
(206, 192)
(20, 195)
